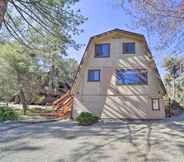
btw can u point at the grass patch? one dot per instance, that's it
(17, 113)
(35, 111)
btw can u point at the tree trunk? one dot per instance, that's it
(23, 100)
(3, 7)
(21, 94)
(173, 90)
(52, 75)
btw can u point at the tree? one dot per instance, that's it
(20, 17)
(162, 18)
(27, 75)
(172, 66)
(3, 7)
(68, 70)
(52, 52)
(18, 62)
(7, 81)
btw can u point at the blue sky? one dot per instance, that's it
(104, 15)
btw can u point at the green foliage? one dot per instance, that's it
(37, 99)
(68, 69)
(38, 110)
(7, 113)
(171, 64)
(86, 118)
(57, 18)
(32, 59)
(180, 91)
(17, 64)
(34, 73)
(14, 56)
(175, 104)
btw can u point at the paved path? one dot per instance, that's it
(64, 141)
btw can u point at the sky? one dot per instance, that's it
(104, 15)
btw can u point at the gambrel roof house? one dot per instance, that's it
(118, 78)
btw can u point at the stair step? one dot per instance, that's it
(63, 105)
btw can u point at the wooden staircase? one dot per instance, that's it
(63, 105)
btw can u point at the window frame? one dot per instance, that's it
(152, 101)
(128, 53)
(91, 70)
(141, 84)
(109, 50)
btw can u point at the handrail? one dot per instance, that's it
(58, 106)
(61, 98)
(64, 104)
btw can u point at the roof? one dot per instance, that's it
(120, 31)
(124, 32)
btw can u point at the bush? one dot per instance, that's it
(38, 100)
(175, 104)
(86, 118)
(7, 113)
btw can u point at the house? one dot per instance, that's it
(118, 78)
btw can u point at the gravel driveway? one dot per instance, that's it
(119, 141)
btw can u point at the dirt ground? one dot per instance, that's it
(110, 141)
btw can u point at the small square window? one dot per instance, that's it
(102, 50)
(155, 104)
(129, 48)
(93, 75)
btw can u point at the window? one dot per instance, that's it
(129, 48)
(131, 77)
(93, 75)
(155, 104)
(102, 50)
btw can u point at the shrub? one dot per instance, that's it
(175, 104)
(86, 118)
(7, 113)
(38, 100)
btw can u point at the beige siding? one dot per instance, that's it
(134, 107)
(109, 100)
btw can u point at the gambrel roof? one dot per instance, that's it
(137, 35)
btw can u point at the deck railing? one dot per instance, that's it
(63, 105)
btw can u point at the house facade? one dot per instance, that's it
(118, 78)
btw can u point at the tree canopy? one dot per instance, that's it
(22, 18)
(162, 18)
(33, 78)
(34, 38)
(173, 80)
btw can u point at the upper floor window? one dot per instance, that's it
(102, 50)
(93, 75)
(129, 48)
(131, 77)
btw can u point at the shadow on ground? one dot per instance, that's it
(111, 141)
